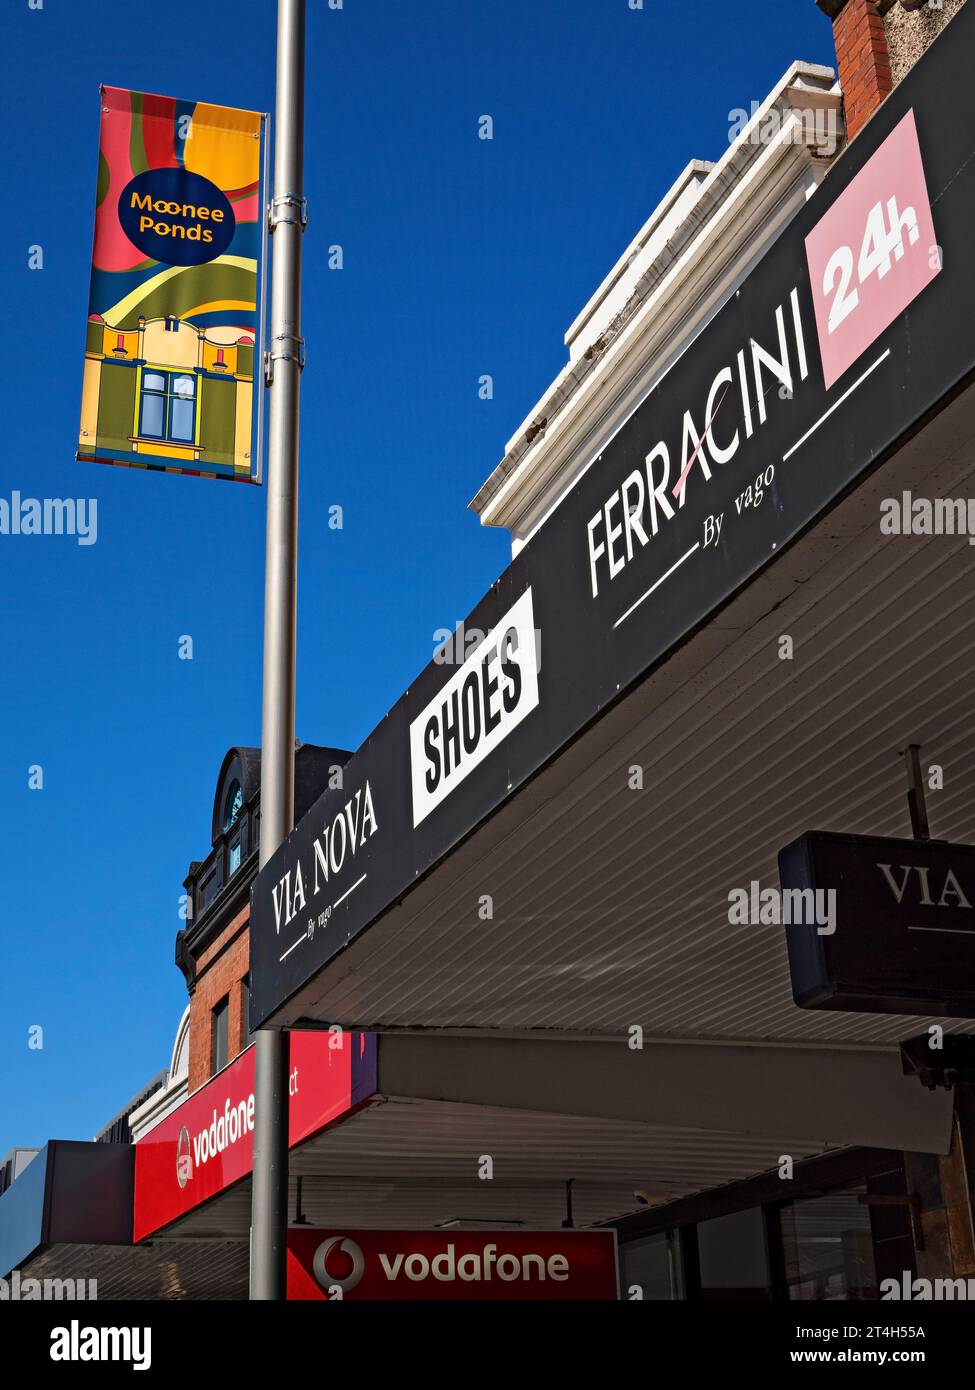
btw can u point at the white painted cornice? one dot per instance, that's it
(160, 1104)
(704, 237)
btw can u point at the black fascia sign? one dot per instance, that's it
(853, 328)
(879, 925)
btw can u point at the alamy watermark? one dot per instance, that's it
(453, 646)
(77, 1343)
(927, 1290)
(756, 906)
(50, 516)
(16, 1289)
(818, 127)
(924, 516)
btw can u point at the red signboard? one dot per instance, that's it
(207, 1143)
(452, 1265)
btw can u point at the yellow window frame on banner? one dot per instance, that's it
(143, 444)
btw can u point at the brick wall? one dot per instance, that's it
(219, 972)
(863, 61)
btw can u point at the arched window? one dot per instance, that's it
(232, 805)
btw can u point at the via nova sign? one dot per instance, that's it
(904, 939)
(859, 320)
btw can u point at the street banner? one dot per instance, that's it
(173, 334)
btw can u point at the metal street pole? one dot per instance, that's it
(283, 363)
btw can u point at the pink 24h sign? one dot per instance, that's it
(873, 252)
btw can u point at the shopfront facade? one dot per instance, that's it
(712, 640)
(529, 940)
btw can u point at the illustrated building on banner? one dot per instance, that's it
(173, 322)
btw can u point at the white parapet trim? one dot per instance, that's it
(707, 233)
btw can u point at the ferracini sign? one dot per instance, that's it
(857, 323)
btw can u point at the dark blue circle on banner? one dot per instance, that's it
(176, 217)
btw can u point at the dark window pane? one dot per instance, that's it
(734, 1263)
(828, 1248)
(221, 1035)
(653, 1266)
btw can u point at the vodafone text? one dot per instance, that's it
(226, 1128)
(475, 1268)
(711, 434)
(472, 1267)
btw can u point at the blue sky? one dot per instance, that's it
(462, 257)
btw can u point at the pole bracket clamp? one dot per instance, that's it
(295, 206)
(296, 353)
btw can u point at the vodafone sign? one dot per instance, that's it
(464, 1265)
(207, 1143)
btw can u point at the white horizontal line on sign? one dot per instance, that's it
(350, 890)
(656, 585)
(848, 392)
(294, 944)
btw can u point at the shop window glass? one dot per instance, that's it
(651, 1269)
(733, 1256)
(828, 1248)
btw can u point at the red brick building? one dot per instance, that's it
(212, 950)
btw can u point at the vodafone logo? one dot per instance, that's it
(320, 1264)
(184, 1164)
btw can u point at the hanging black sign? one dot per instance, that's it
(859, 320)
(880, 926)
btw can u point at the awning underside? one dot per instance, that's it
(610, 903)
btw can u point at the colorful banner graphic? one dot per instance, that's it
(173, 324)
